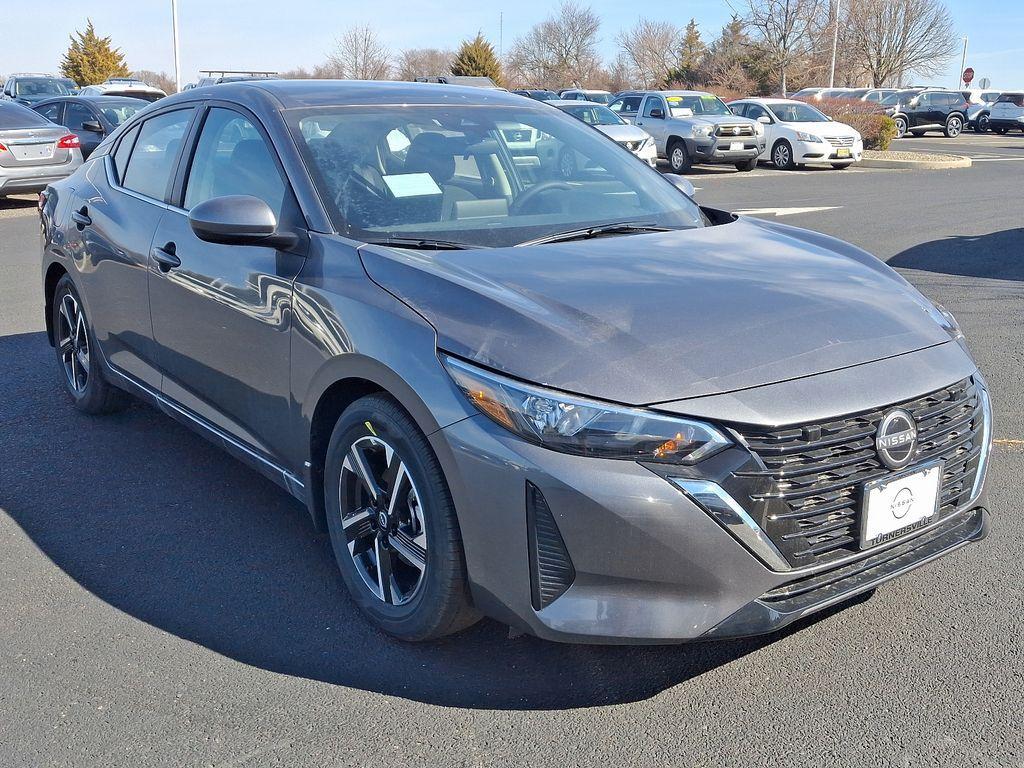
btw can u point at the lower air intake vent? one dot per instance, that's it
(551, 571)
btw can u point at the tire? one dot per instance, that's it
(954, 126)
(679, 157)
(981, 125)
(747, 165)
(567, 164)
(782, 155)
(1001, 130)
(916, 134)
(901, 126)
(74, 344)
(841, 166)
(420, 602)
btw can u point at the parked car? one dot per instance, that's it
(29, 88)
(806, 93)
(124, 86)
(538, 95)
(697, 127)
(626, 105)
(91, 118)
(593, 410)
(930, 110)
(630, 137)
(878, 95)
(1008, 112)
(580, 94)
(33, 151)
(797, 134)
(979, 107)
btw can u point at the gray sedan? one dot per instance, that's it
(33, 151)
(588, 408)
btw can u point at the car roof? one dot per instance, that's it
(573, 103)
(678, 93)
(290, 94)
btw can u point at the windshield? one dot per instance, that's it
(698, 104)
(798, 113)
(40, 86)
(593, 114)
(477, 175)
(899, 97)
(119, 110)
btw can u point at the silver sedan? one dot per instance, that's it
(33, 151)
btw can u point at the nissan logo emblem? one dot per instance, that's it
(896, 439)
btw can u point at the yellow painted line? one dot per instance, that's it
(1009, 443)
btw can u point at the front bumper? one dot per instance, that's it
(648, 153)
(648, 563)
(813, 152)
(719, 149)
(1013, 124)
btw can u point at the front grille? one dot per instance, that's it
(737, 129)
(808, 497)
(840, 141)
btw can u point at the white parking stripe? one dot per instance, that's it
(785, 211)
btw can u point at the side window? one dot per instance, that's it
(738, 109)
(653, 102)
(124, 150)
(232, 158)
(156, 149)
(755, 111)
(617, 106)
(52, 112)
(75, 114)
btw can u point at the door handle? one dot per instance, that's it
(165, 258)
(81, 218)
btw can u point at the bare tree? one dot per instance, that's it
(784, 31)
(892, 38)
(161, 80)
(560, 51)
(651, 49)
(360, 55)
(423, 62)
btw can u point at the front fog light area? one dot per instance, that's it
(574, 425)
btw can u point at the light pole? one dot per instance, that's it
(963, 61)
(177, 59)
(835, 46)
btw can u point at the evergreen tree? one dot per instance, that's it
(476, 58)
(692, 54)
(91, 59)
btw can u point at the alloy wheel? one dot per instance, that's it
(954, 127)
(781, 158)
(383, 520)
(73, 343)
(983, 121)
(901, 127)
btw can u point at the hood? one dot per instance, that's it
(718, 119)
(642, 319)
(622, 133)
(823, 128)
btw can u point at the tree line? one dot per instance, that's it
(766, 47)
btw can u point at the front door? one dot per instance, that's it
(78, 115)
(656, 126)
(222, 315)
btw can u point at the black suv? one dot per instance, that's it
(923, 111)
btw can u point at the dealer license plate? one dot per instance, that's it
(897, 505)
(736, 146)
(842, 153)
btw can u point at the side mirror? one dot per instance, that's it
(238, 220)
(683, 185)
(764, 120)
(92, 125)
(658, 113)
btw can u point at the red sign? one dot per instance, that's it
(968, 75)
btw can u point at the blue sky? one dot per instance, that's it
(259, 34)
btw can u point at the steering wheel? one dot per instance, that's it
(533, 192)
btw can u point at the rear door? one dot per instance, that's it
(222, 316)
(117, 213)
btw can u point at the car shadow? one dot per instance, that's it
(153, 520)
(14, 203)
(998, 256)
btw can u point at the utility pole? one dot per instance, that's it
(177, 58)
(501, 35)
(835, 46)
(963, 61)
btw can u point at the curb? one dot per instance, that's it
(950, 161)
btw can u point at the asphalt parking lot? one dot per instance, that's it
(164, 605)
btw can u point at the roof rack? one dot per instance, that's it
(229, 72)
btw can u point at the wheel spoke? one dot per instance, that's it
(66, 310)
(395, 484)
(65, 346)
(355, 462)
(358, 526)
(408, 550)
(383, 556)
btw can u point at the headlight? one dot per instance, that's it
(946, 321)
(702, 130)
(574, 425)
(648, 142)
(809, 137)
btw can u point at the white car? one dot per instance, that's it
(1008, 112)
(124, 86)
(582, 94)
(631, 137)
(798, 134)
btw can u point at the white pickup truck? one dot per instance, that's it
(696, 127)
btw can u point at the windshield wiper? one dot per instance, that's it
(619, 228)
(420, 243)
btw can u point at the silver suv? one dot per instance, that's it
(1007, 112)
(696, 127)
